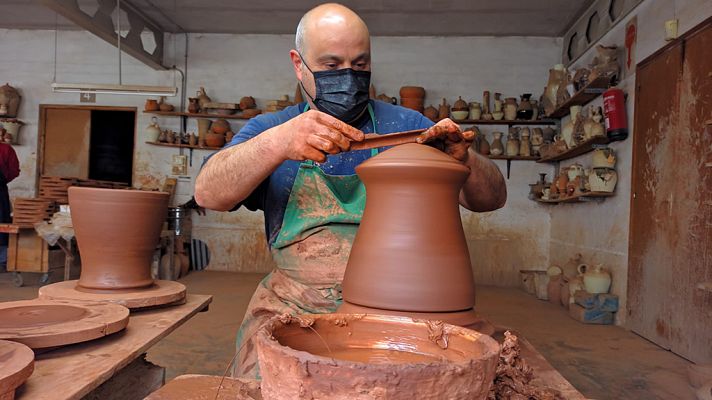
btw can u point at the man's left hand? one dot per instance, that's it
(447, 136)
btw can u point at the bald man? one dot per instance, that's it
(296, 166)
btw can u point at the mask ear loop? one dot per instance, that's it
(300, 82)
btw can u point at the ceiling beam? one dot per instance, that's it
(101, 24)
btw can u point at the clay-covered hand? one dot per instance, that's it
(447, 136)
(314, 134)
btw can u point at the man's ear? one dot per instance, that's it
(296, 63)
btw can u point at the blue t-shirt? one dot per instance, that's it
(272, 194)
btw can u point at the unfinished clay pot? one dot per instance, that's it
(213, 139)
(117, 232)
(396, 262)
(347, 356)
(412, 92)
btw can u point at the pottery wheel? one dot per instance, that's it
(199, 387)
(158, 294)
(50, 323)
(467, 319)
(16, 365)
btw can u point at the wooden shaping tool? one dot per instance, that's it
(373, 140)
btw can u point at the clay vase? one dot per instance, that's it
(151, 105)
(497, 147)
(485, 102)
(595, 280)
(431, 113)
(153, 131)
(475, 111)
(247, 102)
(444, 110)
(203, 98)
(193, 105)
(483, 146)
(535, 110)
(412, 92)
(525, 146)
(9, 101)
(510, 108)
(396, 263)
(567, 130)
(525, 109)
(512, 143)
(163, 106)
(117, 232)
(220, 126)
(213, 139)
(498, 112)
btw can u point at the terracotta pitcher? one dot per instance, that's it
(396, 262)
(117, 232)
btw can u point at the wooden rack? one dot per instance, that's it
(582, 148)
(584, 197)
(587, 93)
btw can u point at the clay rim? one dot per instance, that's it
(413, 156)
(135, 192)
(491, 347)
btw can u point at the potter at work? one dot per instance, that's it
(296, 166)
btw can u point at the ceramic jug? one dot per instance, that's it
(525, 146)
(603, 158)
(575, 170)
(602, 180)
(395, 262)
(525, 109)
(512, 143)
(498, 112)
(193, 105)
(510, 108)
(567, 131)
(153, 131)
(151, 105)
(595, 280)
(475, 110)
(497, 147)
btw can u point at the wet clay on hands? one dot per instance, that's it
(410, 252)
(117, 232)
(447, 136)
(347, 356)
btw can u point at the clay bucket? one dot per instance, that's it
(373, 356)
(117, 232)
(410, 252)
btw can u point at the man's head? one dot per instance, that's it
(329, 37)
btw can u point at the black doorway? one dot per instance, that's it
(111, 145)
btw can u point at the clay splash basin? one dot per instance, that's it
(117, 231)
(366, 356)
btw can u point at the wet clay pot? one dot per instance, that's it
(117, 232)
(396, 262)
(356, 356)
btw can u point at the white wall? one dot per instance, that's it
(231, 66)
(600, 231)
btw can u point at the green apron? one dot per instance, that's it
(311, 251)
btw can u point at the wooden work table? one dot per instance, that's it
(72, 372)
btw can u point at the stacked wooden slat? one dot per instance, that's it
(55, 187)
(26, 212)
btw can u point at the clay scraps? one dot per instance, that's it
(513, 376)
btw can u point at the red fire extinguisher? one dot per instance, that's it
(614, 110)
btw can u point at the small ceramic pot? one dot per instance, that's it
(603, 158)
(595, 280)
(153, 131)
(475, 110)
(510, 109)
(213, 139)
(460, 115)
(151, 105)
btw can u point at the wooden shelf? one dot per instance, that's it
(583, 96)
(588, 196)
(194, 115)
(520, 158)
(187, 146)
(505, 122)
(583, 148)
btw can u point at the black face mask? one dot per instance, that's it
(341, 93)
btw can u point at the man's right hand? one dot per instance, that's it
(313, 134)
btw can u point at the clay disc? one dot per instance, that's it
(160, 293)
(468, 318)
(50, 323)
(204, 387)
(16, 365)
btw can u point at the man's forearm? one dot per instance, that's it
(232, 174)
(485, 189)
